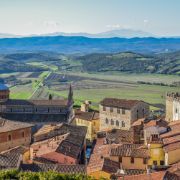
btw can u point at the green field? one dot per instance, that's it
(95, 87)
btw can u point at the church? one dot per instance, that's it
(36, 111)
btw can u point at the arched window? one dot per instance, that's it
(23, 134)
(117, 123)
(137, 114)
(123, 124)
(112, 122)
(107, 121)
(9, 137)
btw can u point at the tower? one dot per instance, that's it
(70, 95)
(4, 92)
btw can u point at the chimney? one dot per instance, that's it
(85, 106)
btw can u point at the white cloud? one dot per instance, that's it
(145, 21)
(117, 26)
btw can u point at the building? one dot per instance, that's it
(172, 107)
(63, 144)
(100, 167)
(13, 134)
(59, 168)
(12, 158)
(4, 92)
(121, 113)
(130, 156)
(171, 143)
(89, 120)
(36, 110)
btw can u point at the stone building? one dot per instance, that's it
(51, 110)
(121, 113)
(13, 134)
(172, 107)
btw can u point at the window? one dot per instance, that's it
(112, 122)
(23, 134)
(118, 111)
(155, 163)
(117, 123)
(132, 160)
(111, 109)
(123, 124)
(104, 108)
(107, 121)
(161, 163)
(176, 110)
(144, 161)
(123, 111)
(9, 137)
(120, 159)
(137, 114)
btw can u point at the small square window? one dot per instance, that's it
(132, 160)
(123, 111)
(118, 111)
(144, 161)
(111, 109)
(104, 108)
(120, 159)
(161, 163)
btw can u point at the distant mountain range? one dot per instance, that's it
(122, 33)
(85, 45)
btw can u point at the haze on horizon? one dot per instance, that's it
(24, 17)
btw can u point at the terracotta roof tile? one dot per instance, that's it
(18, 102)
(8, 125)
(98, 163)
(89, 116)
(171, 147)
(153, 176)
(119, 103)
(120, 136)
(130, 150)
(66, 169)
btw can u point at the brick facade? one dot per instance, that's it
(15, 138)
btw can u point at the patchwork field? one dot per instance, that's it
(93, 87)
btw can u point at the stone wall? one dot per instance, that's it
(111, 117)
(173, 107)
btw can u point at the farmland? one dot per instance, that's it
(92, 87)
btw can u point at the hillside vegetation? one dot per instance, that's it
(167, 63)
(130, 62)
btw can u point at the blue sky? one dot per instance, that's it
(160, 17)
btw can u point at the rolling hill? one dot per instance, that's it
(84, 45)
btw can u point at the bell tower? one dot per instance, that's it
(70, 95)
(4, 92)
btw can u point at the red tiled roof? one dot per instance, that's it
(89, 116)
(172, 147)
(119, 103)
(98, 163)
(152, 176)
(170, 140)
(59, 102)
(130, 150)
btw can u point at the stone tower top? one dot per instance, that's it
(173, 96)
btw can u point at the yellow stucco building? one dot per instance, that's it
(90, 120)
(157, 155)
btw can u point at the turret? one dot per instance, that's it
(4, 92)
(70, 95)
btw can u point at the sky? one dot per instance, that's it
(24, 17)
